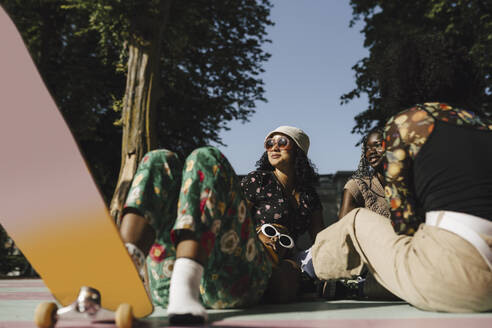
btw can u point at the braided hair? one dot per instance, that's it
(364, 169)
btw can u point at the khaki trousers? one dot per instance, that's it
(434, 270)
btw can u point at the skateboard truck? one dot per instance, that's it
(86, 307)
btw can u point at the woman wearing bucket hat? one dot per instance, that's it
(205, 248)
(282, 189)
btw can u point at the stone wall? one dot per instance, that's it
(330, 191)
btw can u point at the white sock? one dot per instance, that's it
(185, 289)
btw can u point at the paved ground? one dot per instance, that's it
(18, 299)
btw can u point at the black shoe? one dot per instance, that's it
(186, 319)
(341, 289)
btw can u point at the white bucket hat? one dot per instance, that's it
(296, 134)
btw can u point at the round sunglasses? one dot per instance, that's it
(282, 142)
(270, 231)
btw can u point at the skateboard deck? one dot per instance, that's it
(49, 203)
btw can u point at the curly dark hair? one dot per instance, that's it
(364, 169)
(306, 173)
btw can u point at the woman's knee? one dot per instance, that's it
(208, 160)
(206, 154)
(160, 155)
(162, 158)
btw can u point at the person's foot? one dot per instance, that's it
(184, 306)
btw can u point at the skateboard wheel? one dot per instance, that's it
(45, 315)
(124, 316)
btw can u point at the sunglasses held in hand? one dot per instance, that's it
(270, 231)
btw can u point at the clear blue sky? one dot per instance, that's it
(313, 50)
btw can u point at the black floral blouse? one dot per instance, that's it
(405, 134)
(270, 204)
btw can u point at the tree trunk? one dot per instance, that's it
(140, 100)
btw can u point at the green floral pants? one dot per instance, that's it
(203, 196)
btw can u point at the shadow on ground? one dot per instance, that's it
(215, 319)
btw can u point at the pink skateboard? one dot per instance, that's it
(49, 203)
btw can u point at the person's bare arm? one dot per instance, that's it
(348, 204)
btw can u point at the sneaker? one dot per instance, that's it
(340, 289)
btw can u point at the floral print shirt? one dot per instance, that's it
(405, 134)
(271, 204)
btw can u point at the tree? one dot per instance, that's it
(190, 67)
(209, 51)
(82, 80)
(207, 67)
(83, 84)
(139, 26)
(419, 51)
